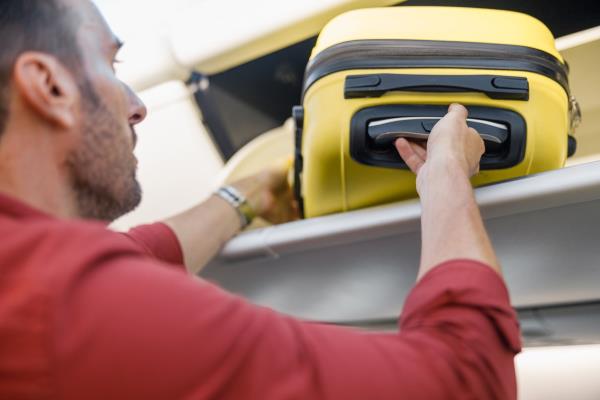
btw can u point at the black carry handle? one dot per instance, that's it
(298, 115)
(494, 86)
(384, 133)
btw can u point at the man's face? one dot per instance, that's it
(103, 166)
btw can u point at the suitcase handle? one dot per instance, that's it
(494, 86)
(393, 120)
(384, 132)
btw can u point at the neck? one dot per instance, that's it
(31, 175)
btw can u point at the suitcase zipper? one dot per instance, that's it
(381, 54)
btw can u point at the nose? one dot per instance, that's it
(137, 108)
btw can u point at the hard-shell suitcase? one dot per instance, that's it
(377, 74)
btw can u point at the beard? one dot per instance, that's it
(103, 167)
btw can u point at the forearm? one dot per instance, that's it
(203, 230)
(452, 227)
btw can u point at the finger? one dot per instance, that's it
(294, 214)
(283, 162)
(481, 143)
(282, 165)
(276, 177)
(459, 110)
(409, 155)
(419, 149)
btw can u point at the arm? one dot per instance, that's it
(162, 334)
(158, 241)
(451, 223)
(204, 229)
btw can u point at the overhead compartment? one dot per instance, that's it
(356, 268)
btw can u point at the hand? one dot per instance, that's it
(270, 195)
(452, 147)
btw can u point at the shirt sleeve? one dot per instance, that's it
(128, 331)
(465, 303)
(158, 241)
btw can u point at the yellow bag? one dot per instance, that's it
(378, 74)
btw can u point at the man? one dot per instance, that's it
(86, 313)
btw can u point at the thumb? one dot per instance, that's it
(458, 110)
(411, 157)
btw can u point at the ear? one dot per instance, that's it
(48, 87)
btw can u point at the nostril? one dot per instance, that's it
(136, 118)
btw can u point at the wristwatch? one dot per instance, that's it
(239, 202)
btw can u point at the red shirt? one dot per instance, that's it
(86, 313)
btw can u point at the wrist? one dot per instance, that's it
(238, 201)
(443, 179)
(444, 163)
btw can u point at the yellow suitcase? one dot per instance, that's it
(377, 74)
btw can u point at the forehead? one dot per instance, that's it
(93, 25)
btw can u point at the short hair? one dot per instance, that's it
(48, 26)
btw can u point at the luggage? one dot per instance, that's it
(378, 74)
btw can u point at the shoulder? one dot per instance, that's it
(50, 250)
(76, 239)
(44, 265)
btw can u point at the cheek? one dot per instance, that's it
(118, 100)
(111, 90)
(117, 105)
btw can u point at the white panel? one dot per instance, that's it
(144, 26)
(148, 62)
(167, 40)
(578, 39)
(215, 35)
(559, 373)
